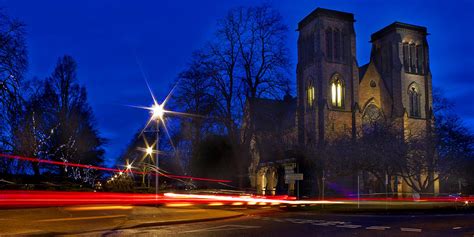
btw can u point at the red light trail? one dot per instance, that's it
(16, 199)
(15, 157)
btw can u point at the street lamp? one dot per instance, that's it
(157, 113)
(149, 150)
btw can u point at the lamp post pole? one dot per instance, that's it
(157, 162)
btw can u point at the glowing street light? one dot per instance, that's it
(157, 111)
(149, 151)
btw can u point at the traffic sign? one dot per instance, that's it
(297, 176)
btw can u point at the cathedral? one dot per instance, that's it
(337, 96)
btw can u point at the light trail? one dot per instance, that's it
(16, 199)
(15, 157)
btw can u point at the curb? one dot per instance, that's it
(183, 221)
(150, 224)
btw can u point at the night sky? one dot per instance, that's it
(107, 37)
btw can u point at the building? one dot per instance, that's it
(336, 96)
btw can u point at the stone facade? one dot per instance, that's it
(394, 86)
(337, 97)
(385, 83)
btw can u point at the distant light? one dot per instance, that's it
(149, 150)
(112, 179)
(157, 111)
(120, 173)
(129, 167)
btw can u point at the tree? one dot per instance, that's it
(77, 139)
(13, 63)
(13, 60)
(195, 96)
(263, 60)
(247, 59)
(213, 158)
(32, 138)
(58, 124)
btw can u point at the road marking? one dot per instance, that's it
(298, 221)
(349, 226)
(410, 229)
(328, 223)
(457, 228)
(223, 228)
(377, 227)
(82, 218)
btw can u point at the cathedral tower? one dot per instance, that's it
(327, 77)
(400, 54)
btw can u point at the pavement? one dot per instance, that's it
(79, 219)
(302, 223)
(115, 220)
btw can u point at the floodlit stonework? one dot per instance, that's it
(336, 96)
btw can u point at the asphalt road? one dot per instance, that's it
(279, 223)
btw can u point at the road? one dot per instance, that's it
(303, 223)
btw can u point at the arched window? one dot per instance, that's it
(337, 45)
(414, 100)
(337, 92)
(310, 95)
(329, 44)
(372, 118)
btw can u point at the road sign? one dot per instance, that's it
(297, 176)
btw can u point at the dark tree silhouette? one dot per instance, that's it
(13, 63)
(58, 124)
(246, 60)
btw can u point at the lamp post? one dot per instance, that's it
(157, 113)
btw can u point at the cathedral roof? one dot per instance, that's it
(327, 13)
(272, 115)
(362, 71)
(397, 25)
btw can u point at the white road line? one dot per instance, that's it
(223, 228)
(374, 227)
(457, 228)
(349, 226)
(328, 223)
(410, 229)
(322, 224)
(300, 221)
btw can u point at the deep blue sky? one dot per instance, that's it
(105, 37)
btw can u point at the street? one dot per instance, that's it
(275, 222)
